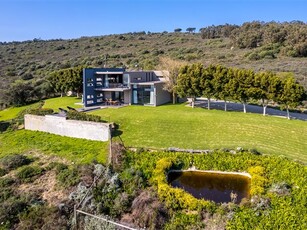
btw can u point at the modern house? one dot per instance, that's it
(116, 85)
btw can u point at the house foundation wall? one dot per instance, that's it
(70, 128)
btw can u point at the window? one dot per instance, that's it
(90, 84)
(90, 96)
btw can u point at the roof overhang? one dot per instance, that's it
(148, 83)
(109, 73)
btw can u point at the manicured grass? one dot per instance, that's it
(10, 113)
(184, 127)
(76, 150)
(62, 102)
(53, 103)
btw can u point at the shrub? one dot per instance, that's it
(6, 181)
(75, 115)
(258, 181)
(57, 166)
(27, 173)
(9, 210)
(68, 177)
(14, 161)
(40, 111)
(42, 217)
(2, 172)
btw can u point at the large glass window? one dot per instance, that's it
(143, 95)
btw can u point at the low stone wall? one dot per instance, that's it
(70, 128)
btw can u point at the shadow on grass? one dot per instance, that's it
(4, 125)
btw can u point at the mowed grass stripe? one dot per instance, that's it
(184, 127)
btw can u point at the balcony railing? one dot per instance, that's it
(113, 85)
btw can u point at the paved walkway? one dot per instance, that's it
(232, 106)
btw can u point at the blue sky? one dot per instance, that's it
(48, 19)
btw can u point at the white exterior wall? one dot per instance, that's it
(70, 128)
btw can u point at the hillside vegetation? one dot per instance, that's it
(30, 62)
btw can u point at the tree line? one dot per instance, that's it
(243, 85)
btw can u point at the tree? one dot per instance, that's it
(220, 83)
(206, 83)
(266, 87)
(291, 94)
(67, 79)
(191, 29)
(177, 30)
(170, 69)
(19, 93)
(188, 81)
(240, 86)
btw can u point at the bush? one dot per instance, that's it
(9, 210)
(68, 177)
(5, 182)
(40, 111)
(2, 172)
(57, 166)
(14, 161)
(27, 173)
(42, 217)
(75, 115)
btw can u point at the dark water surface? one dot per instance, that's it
(216, 187)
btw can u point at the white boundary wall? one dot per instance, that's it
(71, 128)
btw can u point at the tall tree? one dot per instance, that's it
(240, 86)
(189, 80)
(220, 83)
(266, 87)
(206, 83)
(67, 79)
(291, 94)
(170, 69)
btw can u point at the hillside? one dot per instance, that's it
(32, 61)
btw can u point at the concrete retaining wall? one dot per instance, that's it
(70, 128)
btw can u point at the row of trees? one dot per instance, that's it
(189, 30)
(219, 82)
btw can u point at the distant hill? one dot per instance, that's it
(253, 45)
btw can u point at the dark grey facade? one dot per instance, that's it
(106, 85)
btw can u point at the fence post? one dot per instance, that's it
(110, 147)
(75, 217)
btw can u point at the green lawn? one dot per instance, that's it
(58, 102)
(73, 149)
(184, 127)
(10, 113)
(53, 103)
